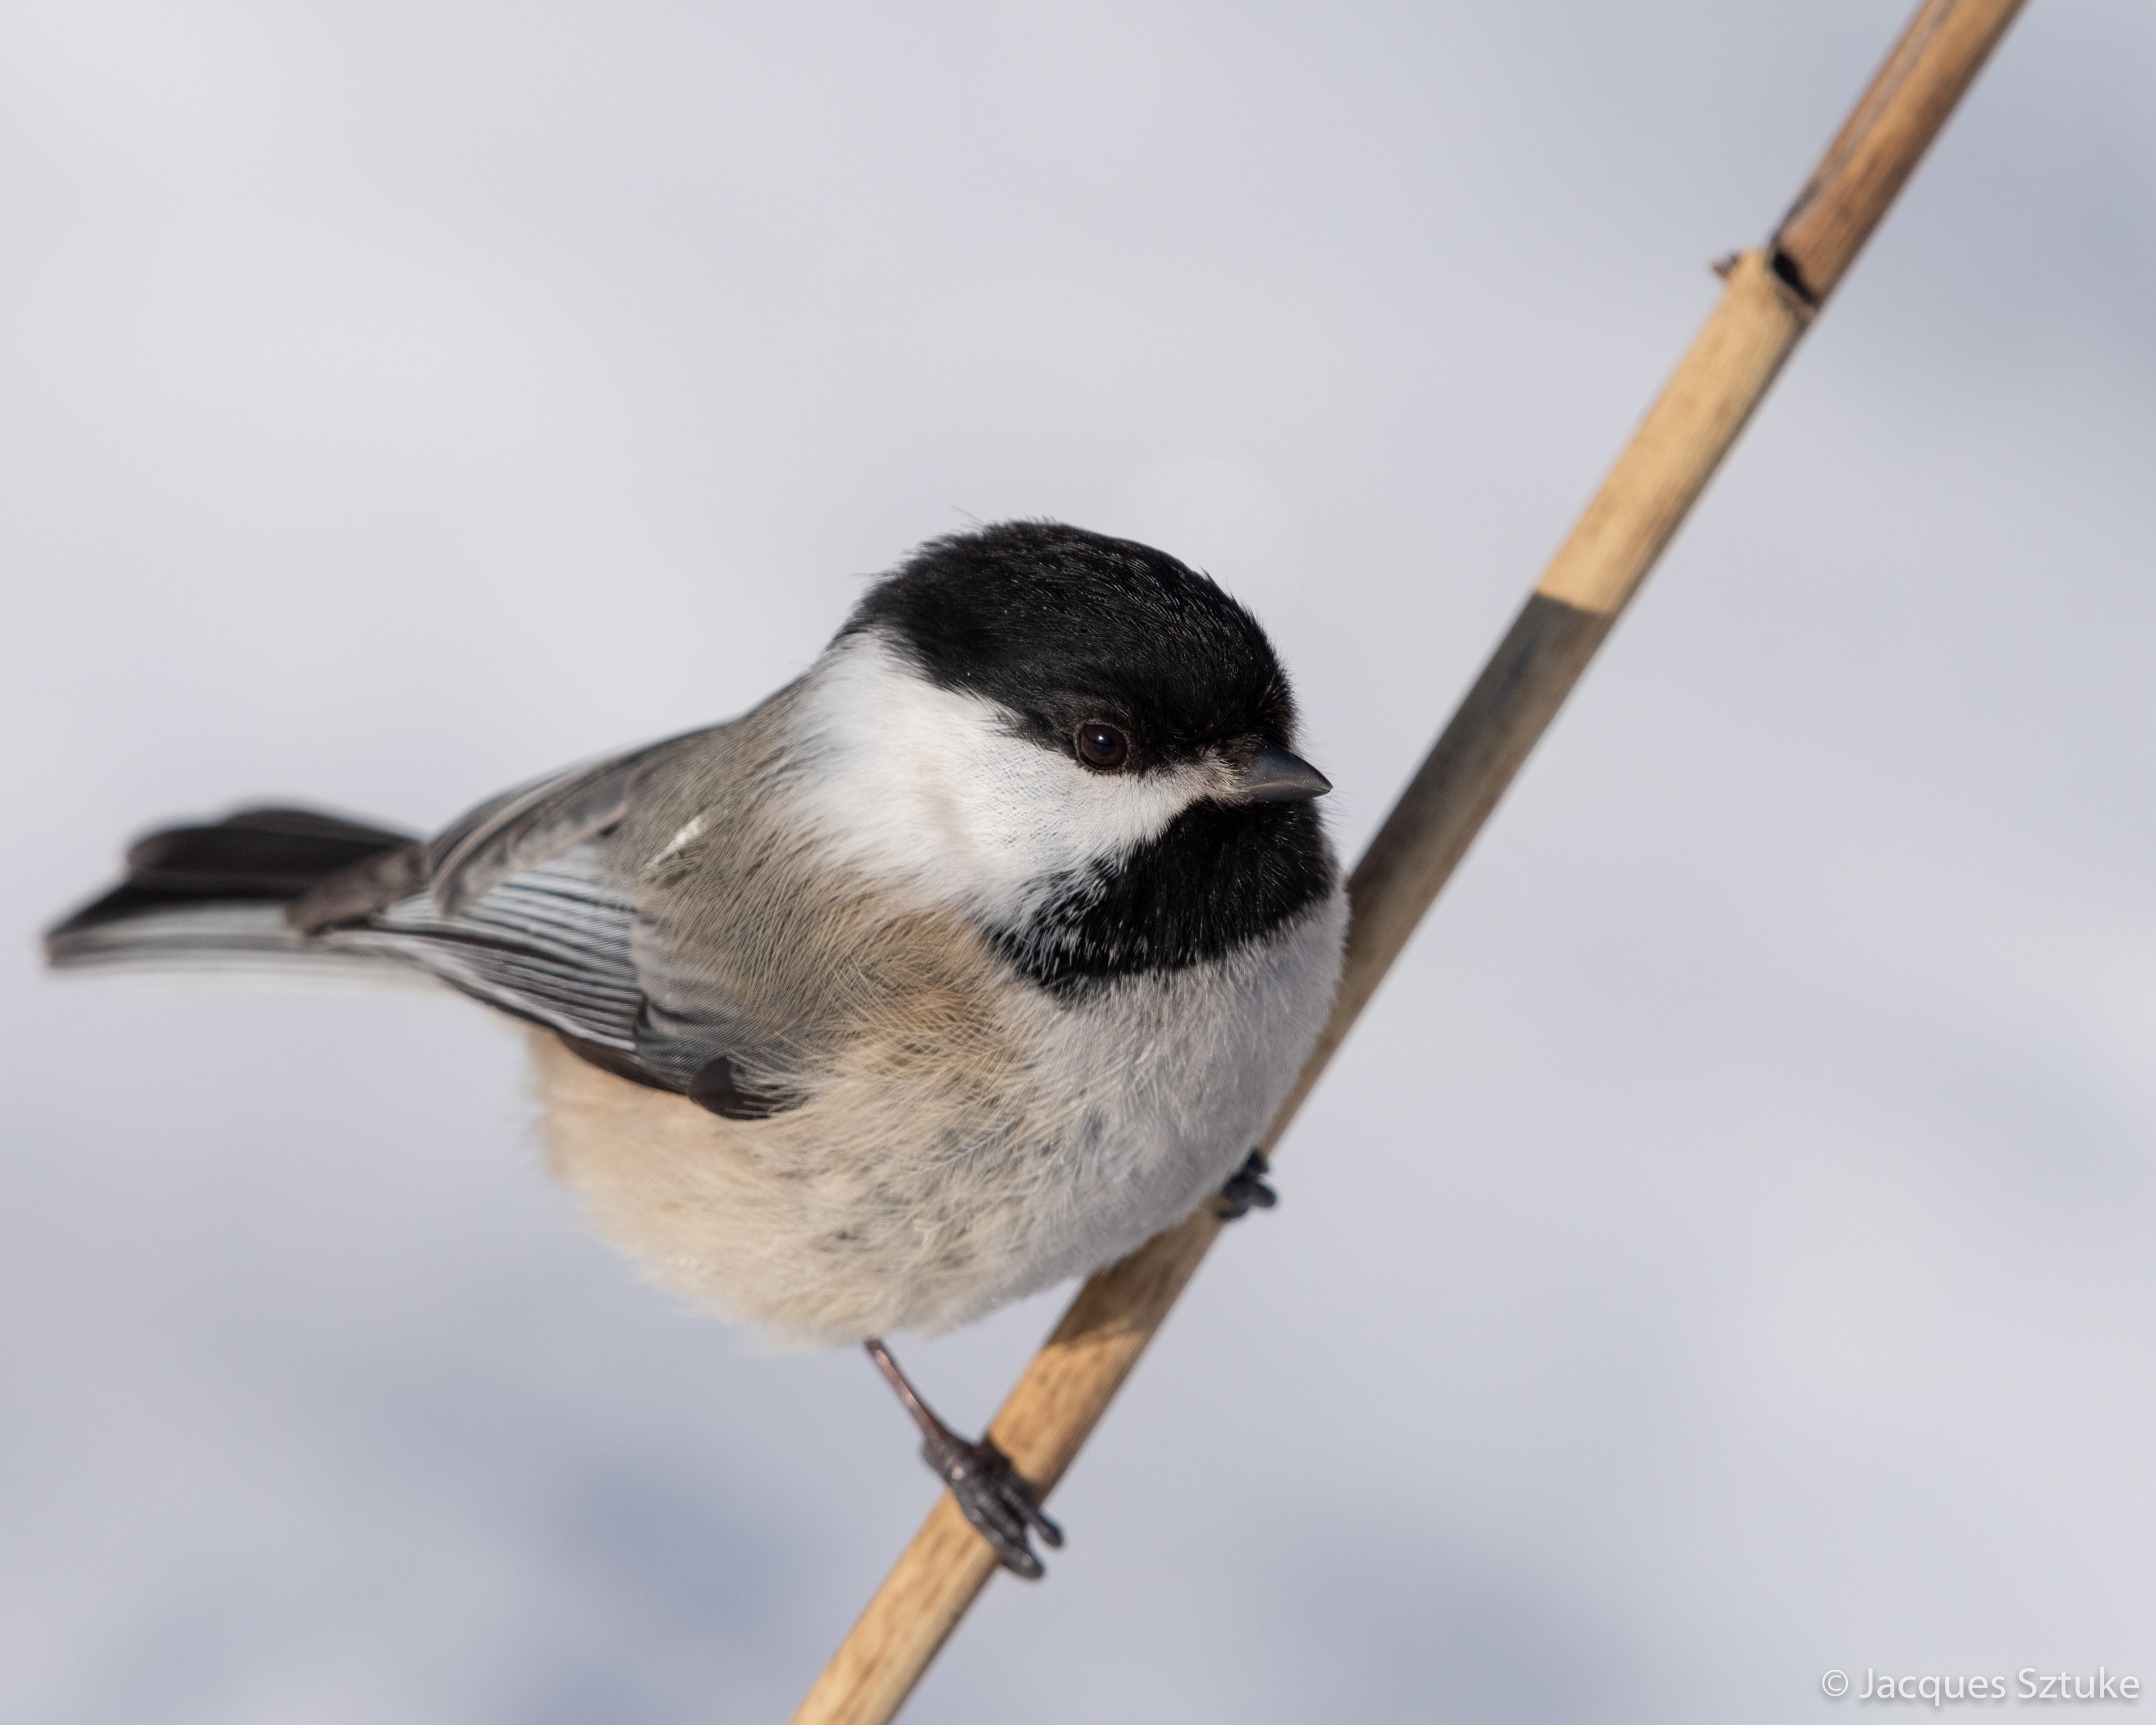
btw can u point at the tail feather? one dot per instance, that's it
(259, 853)
(202, 895)
(284, 890)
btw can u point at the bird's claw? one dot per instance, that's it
(1246, 1189)
(992, 1495)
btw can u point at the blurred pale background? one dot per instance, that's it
(1724, 1253)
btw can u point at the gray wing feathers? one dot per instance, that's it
(524, 828)
(549, 944)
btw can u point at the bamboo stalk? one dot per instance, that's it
(1771, 299)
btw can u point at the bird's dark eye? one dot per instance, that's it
(1102, 747)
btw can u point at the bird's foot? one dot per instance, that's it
(1246, 1189)
(1000, 1504)
(993, 1496)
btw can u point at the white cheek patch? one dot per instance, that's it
(929, 788)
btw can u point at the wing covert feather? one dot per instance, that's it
(532, 825)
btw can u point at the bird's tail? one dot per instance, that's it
(214, 897)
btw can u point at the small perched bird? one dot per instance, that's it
(966, 963)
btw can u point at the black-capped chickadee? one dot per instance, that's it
(965, 963)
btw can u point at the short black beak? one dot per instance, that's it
(1277, 776)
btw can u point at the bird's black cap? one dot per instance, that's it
(1059, 625)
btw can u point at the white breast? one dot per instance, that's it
(1174, 1079)
(894, 1201)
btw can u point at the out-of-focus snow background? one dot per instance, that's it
(1722, 1255)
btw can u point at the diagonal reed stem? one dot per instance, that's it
(1772, 296)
